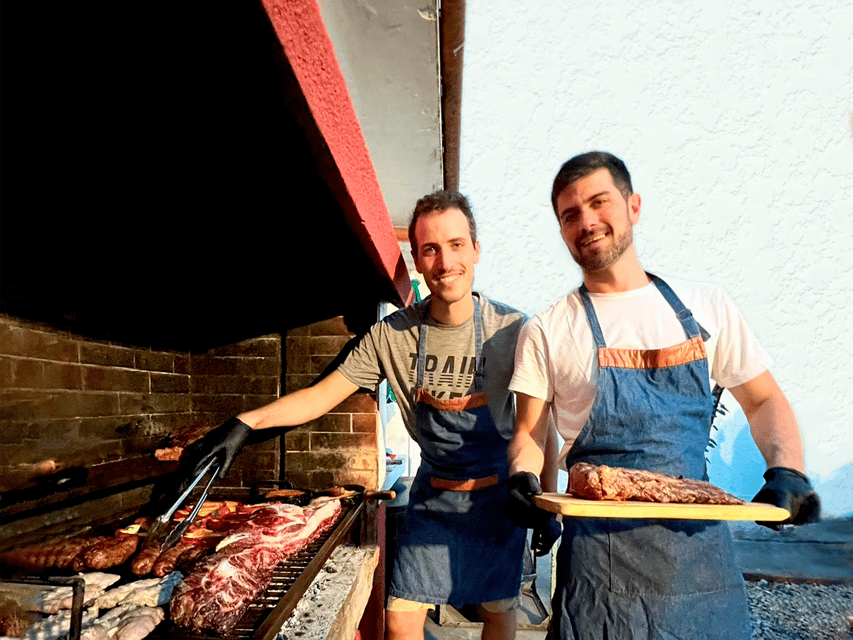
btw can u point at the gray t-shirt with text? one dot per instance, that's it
(389, 351)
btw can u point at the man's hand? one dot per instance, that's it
(520, 507)
(792, 491)
(545, 535)
(223, 442)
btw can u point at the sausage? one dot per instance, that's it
(144, 561)
(66, 552)
(78, 562)
(111, 552)
(167, 560)
(56, 553)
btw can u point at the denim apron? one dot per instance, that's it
(648, 578)
(456, 546)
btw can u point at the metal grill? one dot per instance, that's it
(290, 580)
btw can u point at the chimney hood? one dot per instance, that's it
(185, 176)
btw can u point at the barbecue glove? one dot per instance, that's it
(545, 535)
(792, 491)
(223, 442)
(520, 507)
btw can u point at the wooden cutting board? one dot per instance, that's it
(583, 508)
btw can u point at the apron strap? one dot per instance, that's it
(479, 373)
(685, 316)
(597, 333)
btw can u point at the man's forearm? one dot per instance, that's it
(548, 477)
(287, 411)
(771, 422)
(525, 454)
(301, 406)
(776, 434)
(530, 439)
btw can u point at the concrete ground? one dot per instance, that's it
(449, 624)
(820, 553)
(433, 631)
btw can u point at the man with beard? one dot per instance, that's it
(448, 360)
(624, 363)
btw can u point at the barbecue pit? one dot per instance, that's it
(98, 411)
(292, 577)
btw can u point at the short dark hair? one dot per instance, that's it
(586, 163)
(439, 201)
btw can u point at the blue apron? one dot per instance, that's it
(651, 579)
(457, 546)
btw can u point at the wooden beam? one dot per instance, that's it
(452, 43)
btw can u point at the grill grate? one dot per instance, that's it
(291, 579)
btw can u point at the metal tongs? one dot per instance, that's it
(158, 529)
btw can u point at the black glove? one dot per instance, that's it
(545, 535)
(223, 442)
(792, 491)
(520, 507)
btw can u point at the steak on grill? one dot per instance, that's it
(219, 590)
(600, 482)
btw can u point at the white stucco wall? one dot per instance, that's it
(736, 121)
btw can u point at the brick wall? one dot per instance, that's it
(108, 406)
(343, 446)
(232, 379)
(81, 402)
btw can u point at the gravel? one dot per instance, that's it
(789, 611)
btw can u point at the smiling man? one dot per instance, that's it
(448, 360)
(625, 364)
(599, 244)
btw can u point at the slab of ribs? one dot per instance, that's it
(220, 588)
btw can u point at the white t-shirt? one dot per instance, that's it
(555, 357)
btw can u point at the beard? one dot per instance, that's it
(591, 263)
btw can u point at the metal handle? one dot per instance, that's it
(380, 495)
(176, 533)
(168, 515)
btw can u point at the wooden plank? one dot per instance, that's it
(583, 508)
